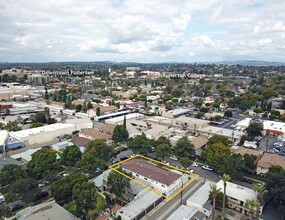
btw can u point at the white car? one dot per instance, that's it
(195, 164)
(205, 167)
(173, 158)
(189, 170)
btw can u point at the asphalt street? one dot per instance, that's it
(163, 211)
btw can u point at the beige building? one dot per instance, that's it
(268, 160)
(94, 134)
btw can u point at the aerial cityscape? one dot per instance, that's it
(152, 110)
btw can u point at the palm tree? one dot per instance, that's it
(226, 178)
(214, 192)
(250, 204)
(261, 191)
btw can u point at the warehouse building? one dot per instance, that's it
(43, 134)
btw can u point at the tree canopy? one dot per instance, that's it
(62, 189)
(70, 156)
(215, 153)
(117, 183)
(163, 150)
(254, 128)
(43, 161)
(11, 173)
(140, 144)
(184, 148)
(84, 195)
(120, 134)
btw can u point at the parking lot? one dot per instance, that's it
(272, 144)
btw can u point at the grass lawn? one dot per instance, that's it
(71, 207)
(218, 218)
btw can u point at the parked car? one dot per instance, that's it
(173, 158)
(206, 167)
(247, 180)
(189, 169)
(41, 195)
(195, 164)
(15, 207)
(2, 198)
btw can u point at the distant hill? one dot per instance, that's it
(252, 63)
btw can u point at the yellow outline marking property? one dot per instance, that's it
(158, 162)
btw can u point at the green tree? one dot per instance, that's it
(261, 192)
(186, 162)
(120, 134)
(257, 110)
(11, 173)
(26, 188)
(250, 163)
(215, 153)
(102, 150)
(254, 128)
(161, 140)
(117, 183)
(184, 148)
(228, 114)
(61, 189)
(36, 125)
(4, 212)
(98, 111)
(140, 144)
(78, 108)
(214, 192)
(226, 178)
(39, 117)
(84, 196)
(46, 93)
(12, 126)
(84, 107)
(70, 156)
(275, 184)
(218, 139)
(233, 164)
(163, 150)
(42, 162)
(250, 205)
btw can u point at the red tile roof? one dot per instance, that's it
(145, 169)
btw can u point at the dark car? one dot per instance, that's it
(247, 180)
(16, 207)
(41, 195)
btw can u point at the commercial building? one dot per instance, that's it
(43, 134)
(237, 196)
(269, 127)
(175, 113)
(120, 119)
(162, 180)
(200, 200)
(268, 160)
(80, 123)
(232, 135)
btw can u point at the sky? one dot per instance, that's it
(142, 30)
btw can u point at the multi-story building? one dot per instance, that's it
(237, 196)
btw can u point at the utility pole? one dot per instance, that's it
(181, 194)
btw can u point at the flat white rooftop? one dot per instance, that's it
(223, 131)
(183, 212)
(43, 129)
(3, 136)
(201, 196)
(139, 204)
(121, 118)
(237, 192)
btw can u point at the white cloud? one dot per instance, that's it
(145, 30)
